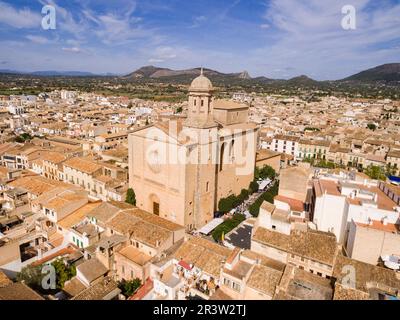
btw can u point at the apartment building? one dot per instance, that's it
(313, 149)
(285, 144)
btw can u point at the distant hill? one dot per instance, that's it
(9, 71)
(62, 73)
(50, 73)
(184, 76)
(387, 72)
(302, 80)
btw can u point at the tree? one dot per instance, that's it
(179, 110)
(32, 276)
(375, 172)
(267, 172)
(223, 205)
(244, 194)
(128, 288)
(227, 204)
(63, 272)
(371, 126)
(253, 187)
(227, 226)
(131, 197)
(23, 138)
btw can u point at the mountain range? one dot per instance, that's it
(387, 73)
(384, 73)
(52, 73)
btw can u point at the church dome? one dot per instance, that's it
(201, 83)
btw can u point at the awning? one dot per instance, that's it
(210, 226)
(264, 184)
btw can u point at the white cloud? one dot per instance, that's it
(72, 50)
(197, 21)
(308, 34)
(19, 18)
(37, 39)
(154, 60)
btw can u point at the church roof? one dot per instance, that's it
(229, 105)
(201, 83)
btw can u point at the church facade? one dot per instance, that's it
(181, 168)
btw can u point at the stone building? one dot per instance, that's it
(181, 168)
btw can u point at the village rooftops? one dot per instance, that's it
(114, 135)
(106, 243)
(297, 284)
(394, 154)
(59, 198)
(4, 280)
(106, 210)
(134, 255)
(295, 205)
(18, 291)
(343, 292)
(274, 239)
(314, 245)
(155, 220)
(203, 254)
(83, 165)
(368, 277)
(318, 143)
(103, 290)
(287, 138)
(126, 223)
(264, 154)
(53, 157)
(264, 279)
(379, 225)
(78, 215)
(240, 270)
(92, 269)
(229, 105)
(37, 185)
(380, 199)
(322, 186)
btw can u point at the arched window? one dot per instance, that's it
(221, 157)
(232, 151)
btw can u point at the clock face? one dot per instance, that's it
(154, 162)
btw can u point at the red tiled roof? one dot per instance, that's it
(185, 265)
(143, 290)
(70, 249)
(378, 225)
(295, 205)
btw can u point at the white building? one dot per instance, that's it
(16, 110)
(285, 144)
(339, 202)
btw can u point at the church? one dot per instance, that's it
(181, 168)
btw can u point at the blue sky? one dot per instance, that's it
(274, 38)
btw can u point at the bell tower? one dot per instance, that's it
(200, 110)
